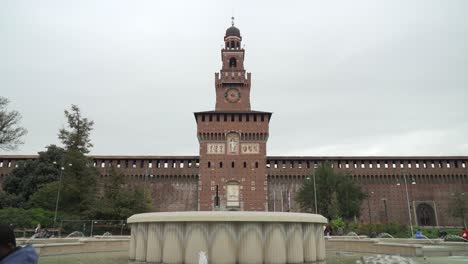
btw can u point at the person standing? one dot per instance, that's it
(10, 253)
(464, 234)
(38, 229)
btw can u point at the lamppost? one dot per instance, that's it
(368, 205)
(413, 182)
(315, 188)
(58, 191)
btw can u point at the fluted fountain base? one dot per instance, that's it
(227, 237)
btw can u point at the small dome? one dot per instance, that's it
(233, 31)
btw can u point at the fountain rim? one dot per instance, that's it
(227, 216)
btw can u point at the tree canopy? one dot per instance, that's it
(67, 171)
(10, 130)
(77, 136)
(30, 175)
(120, 201)
(458, 206)
(337, 194)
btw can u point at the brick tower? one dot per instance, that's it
(232, 139)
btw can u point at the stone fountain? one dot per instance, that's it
(227, 237)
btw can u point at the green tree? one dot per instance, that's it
(458, 207)
(77, 137)
(337, 194)
(119, 201)
(10, 130)
(334, 207)
(30, 175)
(76, 185)
(26, 218)
(8, 200)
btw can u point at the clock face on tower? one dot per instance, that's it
(232, 95)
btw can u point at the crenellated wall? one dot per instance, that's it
(436, 180)
(174, 181)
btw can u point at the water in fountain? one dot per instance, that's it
(425, 237)
(383, 235)
(451, 237)
(384, 259)
(27, 241)
(76, 234)
(353, 234)
(107, 234)
(202, 259)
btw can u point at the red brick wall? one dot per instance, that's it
(175, 186)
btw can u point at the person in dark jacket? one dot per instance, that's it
(10, 253)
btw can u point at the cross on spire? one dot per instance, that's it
(232, 21)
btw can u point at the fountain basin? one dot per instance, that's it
(227, 237)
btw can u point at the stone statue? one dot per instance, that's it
(232, 145)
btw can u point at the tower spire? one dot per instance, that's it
(232, 21)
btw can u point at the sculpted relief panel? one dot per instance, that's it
(232, 146)
(216, 148)
(250, 148)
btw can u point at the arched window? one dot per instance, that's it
(232, 44)
(232, 63)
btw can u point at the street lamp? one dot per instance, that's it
(315, 188)
(58, 191)
(413, 182)
(368, 205)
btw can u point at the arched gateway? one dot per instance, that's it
(425, 215)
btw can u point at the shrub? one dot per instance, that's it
(337, 223)
(26, 218)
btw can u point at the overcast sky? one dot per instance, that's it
(341, 77)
